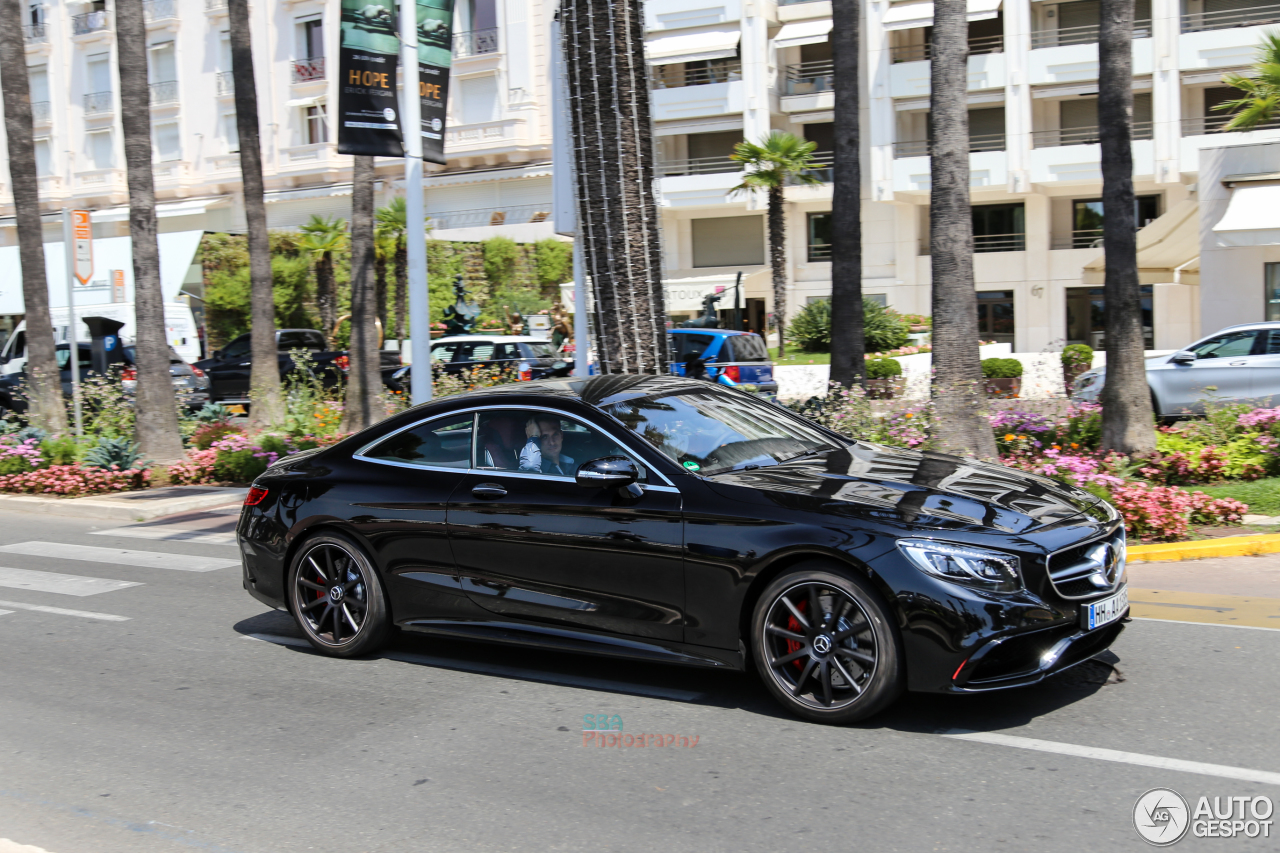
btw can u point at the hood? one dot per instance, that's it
(917, 486)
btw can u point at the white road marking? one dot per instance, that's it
(59, 584)
(120, 556)
(511, 672)
(1204, 624)
(169, 534)
(62, 611)
(5, 612)
(1137, 758)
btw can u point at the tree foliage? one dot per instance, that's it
(1261, 102)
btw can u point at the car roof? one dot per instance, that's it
(708, 332)
(1261, 324)
(518, 339)
(595, 391)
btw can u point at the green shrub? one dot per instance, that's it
(883, 328)
(1001, 368)
(811, 328)
(883, 368)
(1074, 355)
(120, 454)
(62, 450)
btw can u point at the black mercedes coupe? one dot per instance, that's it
(664, 519)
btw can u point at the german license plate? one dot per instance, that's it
(1107, 610)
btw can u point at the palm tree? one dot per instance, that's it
(608, 88)
(156, 405)
(848, 344)
(47, 408)
(268, 402)
(364, 384)
(1261, 103)
(959, 425)
(1127, 418)
(779, 160)
(322, 238)
(392, 226)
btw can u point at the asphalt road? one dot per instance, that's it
(175, 729)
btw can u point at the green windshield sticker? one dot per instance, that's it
(692, 466)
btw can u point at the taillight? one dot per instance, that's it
(525, 370)
(732, 373)
(343, 362)
(129, 374)
(255, 496)
(197, 371)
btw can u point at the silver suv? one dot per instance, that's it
(1237, 364)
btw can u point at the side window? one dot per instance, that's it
(541, 442)
(480, 351)
(442, 443)
(239, 348)
(19, 346)
(1273, 343)
(441, 353)
(505, 351)
(313, 341)
(689, 346)
(1230, 345)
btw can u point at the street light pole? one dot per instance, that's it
(73, 348)
(415, 216)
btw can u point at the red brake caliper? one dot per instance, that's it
(793, 646)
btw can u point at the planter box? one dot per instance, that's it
(884, 389)
(1070, 375)
(1008, 388)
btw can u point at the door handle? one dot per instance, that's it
(245, 363)
(1238, 363)
(488, 490)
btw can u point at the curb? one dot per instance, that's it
(118, 508)
(1229, 546)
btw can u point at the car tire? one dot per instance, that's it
(352, 621)
(847, 667)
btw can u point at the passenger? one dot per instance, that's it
(501, 442)
(541, 452)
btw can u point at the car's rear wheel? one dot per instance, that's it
(337, 598)
(825, 645)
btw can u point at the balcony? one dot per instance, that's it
(1082, 135)
(824, 170)
(308, 70)
(164, 92)
(1087, 34)
(154, 11)
(475, 42)
(809, 78)
(1198, 22)
(999, 243)
(41, 112)
(35, 34)
(921, 52)
(677, 76)
(1214, 124)
(217, 7)
(99, 103)
(698, 166)
(512, 215)
(819, 252)
(225, 81)
(977, 142)
(92, 22)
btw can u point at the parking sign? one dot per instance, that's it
(82, 233)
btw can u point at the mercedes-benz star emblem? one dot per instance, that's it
(822, 644)
(336, 594)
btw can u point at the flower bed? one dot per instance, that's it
(70, 481)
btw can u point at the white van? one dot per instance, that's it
(180, 329)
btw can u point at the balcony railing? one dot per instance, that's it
(793, 2)
(226, 82)
(1081, 135)
(513, 215)
(977, 142)
(819, 252)
(1218, 124)
(999, 243)
(41, 112)
(475, 42)
(307, 70)
(34, 34)
(919, 52)
(677, 76)
(823, 162)
(1200, 21)
(809, 78)
(159, 10)
(698, 166)
(164, 92)
(214, 5)
(92, 22)
(1088, 34)
(96, 103)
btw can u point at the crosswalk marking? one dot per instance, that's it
(120, 556)
(170, 535)
(5, 612)
(58, 583)
(62, 611)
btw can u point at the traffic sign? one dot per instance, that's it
(82, 233)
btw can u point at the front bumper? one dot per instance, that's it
(1021, 659)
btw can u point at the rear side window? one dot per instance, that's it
(442, 443)
(690, 346)
(1273, 345)
(746, 348)
(549, 351)
(239, 348)
(479, 351)
(301, 340)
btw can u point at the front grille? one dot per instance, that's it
(1090, 569)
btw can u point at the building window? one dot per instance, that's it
(728, 241)
(317, 124)
(311, 36)
(231, 133)
(101, 149)
(1087, 219)
(999, 228)
(1273, 292)
(1087, 317)
(995, 316)
(479, 99)
(819, 237)
(44, 157)
(168, 142)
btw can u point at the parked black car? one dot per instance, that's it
(229, 368)
(527, 357)
(658, 518)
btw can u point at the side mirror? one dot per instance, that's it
(609, 472)
(1183, 357)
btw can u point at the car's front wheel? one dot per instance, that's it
(337, 598)
(825, 645)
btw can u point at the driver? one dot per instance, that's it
(541, 451)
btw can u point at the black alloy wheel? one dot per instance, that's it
(825, 645)
(336, 597)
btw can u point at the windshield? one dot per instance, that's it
(711, 432)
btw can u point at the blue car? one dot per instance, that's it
(731, 358)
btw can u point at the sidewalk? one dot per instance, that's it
(129, 506)
(1242, 591)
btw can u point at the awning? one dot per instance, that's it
(164, 210)
(1252, 217)
(693, 47)
(907, 16)
(802, 32)
(310, 192)
(685, 290)
(1168, 249)
(305, 102)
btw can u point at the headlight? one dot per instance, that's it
(976, 567)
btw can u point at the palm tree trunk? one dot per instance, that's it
(848, 344)
(156, 404)
(778, 264)
(326, 296)
(603, 43)
(958, 392)
(380, 287)
(264, 381)
(402, 285)
(1127, 422)
(364, 404)
(43, 388)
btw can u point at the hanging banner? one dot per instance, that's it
(435, 56)
(368, 121)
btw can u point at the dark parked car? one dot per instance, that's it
(527, 357)
(189, 382)
(663, 519)
(229, 368)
